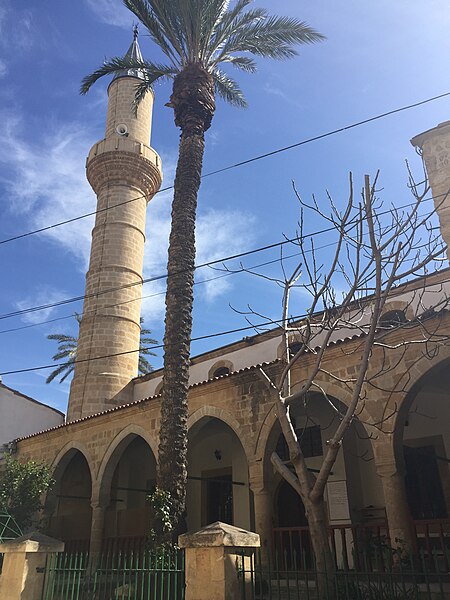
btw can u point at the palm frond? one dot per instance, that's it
(232, 21)
(244, 63)
(58, 372)
(66, 375)
(61, 338)
(228, 89)
(70, 354)
(151, 71)
(156, 29)
(144, 366)
(214, 12)
(168, 16)
(271, 37)
(145, 86)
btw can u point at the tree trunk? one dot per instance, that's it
(325, 565)
(193, 103)
(179, 298)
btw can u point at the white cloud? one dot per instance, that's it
(112, 12)
(2, 19)
(3, 68)
(275, 89)
(41, 297)
(16, 27)
(46, 182)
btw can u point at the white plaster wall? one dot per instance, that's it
(266, 351)
(245, 357)
(20, 416)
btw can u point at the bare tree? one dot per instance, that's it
(378, 255)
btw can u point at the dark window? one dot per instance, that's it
(219, 499)
(221, 371)
(423, 483)
(310, 442)
(393, 318)
(294, 348)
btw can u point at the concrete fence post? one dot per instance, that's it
(23, 568)
(213, 556)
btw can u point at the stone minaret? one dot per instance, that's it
(434, 145)
(125, 173)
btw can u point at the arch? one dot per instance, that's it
(222, 415)
(220, 364)
(59, 465)
(392, 318)
(158, 389)
(113, 454)
(399, 403)
(400, 305)
(418, 377)
(331, 389)
(74, 482)
(65, 455)
(218, 478)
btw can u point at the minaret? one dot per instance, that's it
(125, 173)
(434, 146)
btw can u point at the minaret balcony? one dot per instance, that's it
(124, 159)
(125, 144)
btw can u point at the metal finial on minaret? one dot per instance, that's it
(134, 55)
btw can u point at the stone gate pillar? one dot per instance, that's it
(23, 568)
(213, 555)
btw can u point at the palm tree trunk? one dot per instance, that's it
(179, 298)
(193, 103)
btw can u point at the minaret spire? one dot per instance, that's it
(133, 54)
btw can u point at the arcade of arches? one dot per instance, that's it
(396, 472)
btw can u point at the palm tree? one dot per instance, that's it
(67, 351)
(196, 37)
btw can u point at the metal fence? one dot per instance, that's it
(149, 575)
(418, 577)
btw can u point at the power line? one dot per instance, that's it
(236, 165)
(227, 274)
(396, 292)
(158, 346)
(202, 265)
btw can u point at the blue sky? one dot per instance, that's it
(378, 56)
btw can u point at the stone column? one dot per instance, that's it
(435, 147)
(263, 519)
(97, 529)
(213, 556)
(390, 468)
(397, 509)
(263, 507)
(23, 568)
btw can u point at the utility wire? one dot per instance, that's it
(396, 292)
(294, 240)
(236, 165)
(227, 274)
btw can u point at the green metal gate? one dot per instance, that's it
(147, 575)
